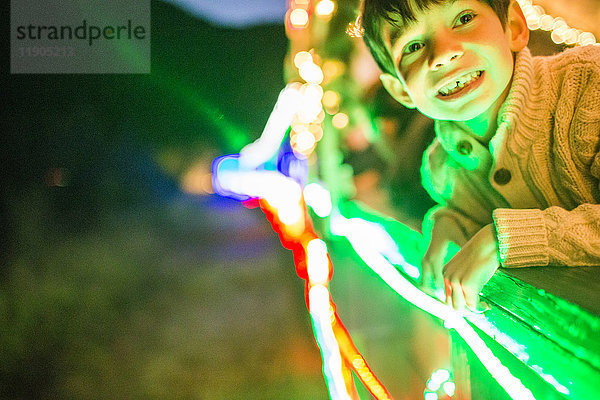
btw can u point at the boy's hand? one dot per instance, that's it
(471, 268)
(443, 233)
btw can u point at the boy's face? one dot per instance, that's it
(455, 61)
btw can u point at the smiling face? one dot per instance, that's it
(455, 62)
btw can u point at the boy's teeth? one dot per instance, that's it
(459, 83)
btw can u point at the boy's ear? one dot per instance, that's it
(396, 89)
(516, 28)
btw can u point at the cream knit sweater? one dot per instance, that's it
(538, 178)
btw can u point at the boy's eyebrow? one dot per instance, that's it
(402, 26)
(396, 33)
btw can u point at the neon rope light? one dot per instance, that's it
(452, 319)
(243, 177)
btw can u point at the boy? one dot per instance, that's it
(515, 166)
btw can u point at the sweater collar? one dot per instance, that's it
(520, 87)
(516, 99)
(452, 136)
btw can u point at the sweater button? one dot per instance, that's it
(464, 147)
(502, 176)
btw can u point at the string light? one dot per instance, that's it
(311, 72)
(561, 32)
(449, 388)
(355, 29)
(340, 120)
(331, 99)
(301, 57)
(325, 8)
(299, 18)
(431, 396)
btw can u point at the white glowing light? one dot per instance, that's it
(571, 36)
(299, 18)
(533, 22)
(290, 215)
(281, 192)
(557, 35)
(586, 38)
(309, 110)
(317, 262)
(325, 8)
(449, 388)
(331, 99)
(433, 385)
(431, 396)
(546, 22)
(318, 298)
(302, 57)
(440, 376)
(375, 238)
(340, 120)
(260, 151)
(318, 198)
(305, 141)
(558, 23)
(311, 72)
(312, 92)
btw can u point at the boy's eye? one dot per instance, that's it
(412, 47)
(465, 18)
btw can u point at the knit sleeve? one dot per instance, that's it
(553, 236)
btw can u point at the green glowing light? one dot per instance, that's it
(235, 136)
(452, 319)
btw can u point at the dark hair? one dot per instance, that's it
(376, 13)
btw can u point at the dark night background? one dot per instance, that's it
(113, 282)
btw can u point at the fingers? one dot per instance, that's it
(457, 297)
(432, 264)
(471, 297)
(461, 292)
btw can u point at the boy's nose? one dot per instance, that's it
(444, 50)
(444, 59)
